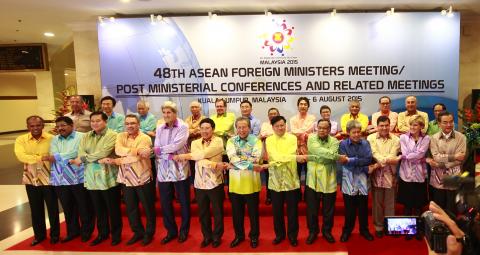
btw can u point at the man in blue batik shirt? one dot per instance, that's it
(354, 180)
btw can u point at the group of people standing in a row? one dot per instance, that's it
(99, 156)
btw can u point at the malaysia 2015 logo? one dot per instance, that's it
(279, 39)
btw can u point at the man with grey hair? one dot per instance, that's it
(79, 115)
(354, 180)
(171, 139)
(411, 110)
(148, 121)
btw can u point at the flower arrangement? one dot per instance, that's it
(471, 126)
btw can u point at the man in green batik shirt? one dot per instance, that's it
(115, 120)
(283, 180)
(433, 127)
(96, 150)
(321, 180)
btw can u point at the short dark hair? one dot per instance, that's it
(102, 114)
(273, 109)
(277, 119)
(133, 116)
(243, 119)
(383, 119)
(221, 100)
(324, 120)
(114, 102)
(304, 99)
(323, 107)
(35, 117)
(444, 113)
(209, 121)
(387, 97)
(65, 119)
(246, 102)
(444, 108)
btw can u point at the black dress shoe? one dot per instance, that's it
(379, 234)
(182, 237)
(408, 237)
(254, 243)
(367, 235)
(268, 201)
(311, 238)
(168, 238)
(277, 240)
(146, 240)
(36, 241)
(115, 242)
(54, 240)
(236, 241)
(344, 237)
(134, 239)
(293, 242)
(216, 243)
(205, 243)
(68, 238)
(97, 240)
(328, 236)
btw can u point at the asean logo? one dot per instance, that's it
(280, 39)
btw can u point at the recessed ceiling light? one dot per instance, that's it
(49, 34)
(125, 1)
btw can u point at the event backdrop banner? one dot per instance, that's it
(273, 60)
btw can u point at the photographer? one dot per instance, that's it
(454, 246)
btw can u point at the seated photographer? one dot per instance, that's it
(454, 246)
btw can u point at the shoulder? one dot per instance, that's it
(372, 137)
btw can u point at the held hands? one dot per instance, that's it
(343, 159)
(179, 157)
(107, 161)
(76, 161)
(460, 156)
(145, 153)
(301, 158)
(49, 158)
(260, 168)
(432, 162)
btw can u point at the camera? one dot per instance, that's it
(436, 232)
(401, 225)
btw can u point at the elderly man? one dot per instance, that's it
(301, 126)
(244, 151)
(384, 105)
(433, 126)
(411, 110)
(448, 148)
(354, 114)
(246, 111)
(32, 150)
(115, 120)
(207, 153)
(321, 180)
(96, 151)
(170, 140)
(68, 180)
(80, 116)
(223, 120)
(354, 181)
(148, 121)
(283, 180)
(385, 148)
(135, 175)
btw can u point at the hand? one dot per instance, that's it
(343, 159)
(151, 133)
(257, 168)
(432, 162)
(392, 160)
(76, 161)
(220, 166)
(265, 166)
(301, 158)
(107, 161)
(372, 167)
(49, 158)
(453, 247)
(460, 156)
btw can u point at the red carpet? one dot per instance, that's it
(355, 245)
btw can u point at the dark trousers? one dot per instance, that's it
(238, 214)
(76, 204)
(154, 177)
(215, 197)
(37, 195)
(144, 195)
(313, 200)
(278, 200)
(352, 204)
(107, 209)
(166, 199)
(269, 192)
(444, 198)
(301, 167)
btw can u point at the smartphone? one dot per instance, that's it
(401, 225)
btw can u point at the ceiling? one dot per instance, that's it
(25, 21)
